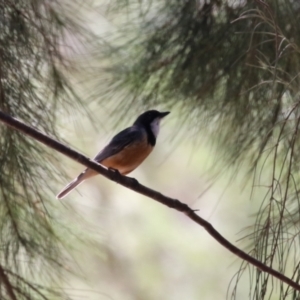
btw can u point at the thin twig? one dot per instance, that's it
(141, 189)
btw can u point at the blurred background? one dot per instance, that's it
(81, 71)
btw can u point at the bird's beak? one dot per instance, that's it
(163, 114)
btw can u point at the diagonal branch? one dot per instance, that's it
(141, 189)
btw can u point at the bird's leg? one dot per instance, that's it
(117, 174)
(134, 181)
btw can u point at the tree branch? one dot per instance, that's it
(141, 189)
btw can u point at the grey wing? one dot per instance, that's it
(119, 142)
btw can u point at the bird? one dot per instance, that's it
(126, 150)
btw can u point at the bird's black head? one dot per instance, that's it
(150, 120)
(148, 117)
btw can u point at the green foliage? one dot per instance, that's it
(232, 67)
(33, 88)
(229, 60)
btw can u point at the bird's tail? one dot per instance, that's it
(72, 185)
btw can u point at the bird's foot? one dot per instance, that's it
(117, 174)
(134, 182)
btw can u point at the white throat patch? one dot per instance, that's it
(155, 125)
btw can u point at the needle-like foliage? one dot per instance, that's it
(33, 88)
(233, 68)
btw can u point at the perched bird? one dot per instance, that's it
(127, 150)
